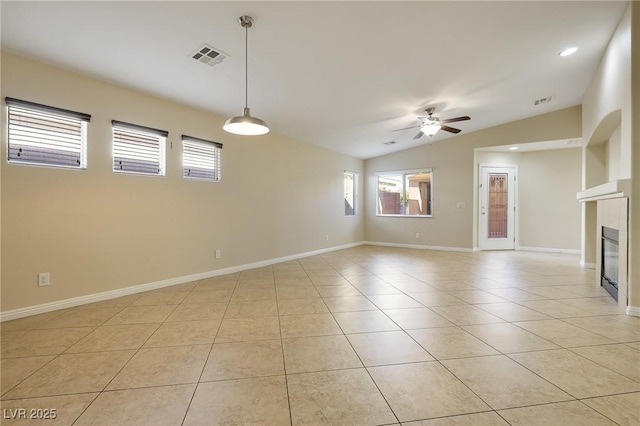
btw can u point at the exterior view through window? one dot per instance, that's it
(350, 186)
(405, 193)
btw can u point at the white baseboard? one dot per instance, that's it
(112, 294)
(549, 250)
(633, 311)
(586, 265)
(419, 246)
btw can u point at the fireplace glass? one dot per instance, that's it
(610, 261)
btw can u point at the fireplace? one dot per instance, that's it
(609, 262)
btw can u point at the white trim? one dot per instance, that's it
(633, 311)
(586, 265)
(112, 294)
(418, 246)
(550, 250)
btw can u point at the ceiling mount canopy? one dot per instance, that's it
(245, 124)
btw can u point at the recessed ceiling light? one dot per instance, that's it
(513, 148)
(568, 51)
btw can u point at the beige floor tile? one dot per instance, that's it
(184, 333)
(574, 374)
(141, 315)
(257, 401)
(320, 353)
(41, 342)
(198, 311)
(621, 328)
(82, 317)
(417, 318)
(451, 342)
(349, 304)
(415, 286)
(242, 360)
(284, 293)
(635, 345)
(164, 405)
(596, 305)
(503, 383)
(161, 298)
(345, 397)
(30, 322)
(563, 334)
(293, 282)
(588, 290)
(50, 410)
(479, 419)
(623, 409)
(514, 294)
(450, 285)
(424, 390)
(252, 308)
(378, 290)
(512, 312)
(436, 298)
(476, 296)
(15, 370)
(619, 358)
(162, 366)
(394, 301)
(73, 373)
(176, 288)
(388, 347)
(551, 292)
(115, 337)
(329, 281)
(507, 338)
(210, 296)
(364, 322)
(555, 308)
(247, 294)
(248, 329)
(337, 290)
(291, 274)
(572, 413)
(212, 285)
(308, 325)
(302, 306)
(465, 314)
(259, 273)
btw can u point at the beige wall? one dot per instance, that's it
(614, 154)
(96, 231)
(550, 215)
(455, 178)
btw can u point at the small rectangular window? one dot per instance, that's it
(405, 193)
(47, 136)
(350, 193)
(138, 149)
(200, 159)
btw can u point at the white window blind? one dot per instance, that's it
(201, 158)
(138, 149)
(43, 135)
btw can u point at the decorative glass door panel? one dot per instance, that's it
(498, 202)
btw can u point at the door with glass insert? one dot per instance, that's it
(497, 208)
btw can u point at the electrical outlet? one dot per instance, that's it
(417, 235)
(218, 254)
(44, 279)
(461, 205)
(326, 238)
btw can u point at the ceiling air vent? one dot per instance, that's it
(209, 55)
(542, 101)
(390, 143)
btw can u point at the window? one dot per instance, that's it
(138, 149)
(350, 193)
(405, 193)
(47, 136)
(200, 159)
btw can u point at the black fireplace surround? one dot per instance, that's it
(609, 261)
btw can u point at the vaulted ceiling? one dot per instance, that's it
(341, 75)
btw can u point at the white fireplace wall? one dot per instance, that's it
(614, 214)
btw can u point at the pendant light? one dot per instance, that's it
(245, 124)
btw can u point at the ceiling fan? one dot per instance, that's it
(430, 125)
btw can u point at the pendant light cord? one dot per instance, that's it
(246, 66)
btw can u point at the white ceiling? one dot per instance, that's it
(342, 75)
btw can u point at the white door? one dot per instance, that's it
(497, 207)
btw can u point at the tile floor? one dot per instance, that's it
(364, 336)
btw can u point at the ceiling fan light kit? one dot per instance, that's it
(245, 124)
(431, 125)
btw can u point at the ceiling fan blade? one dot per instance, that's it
(450, 129)
(419, 135)
(453, 120)
(407, 128)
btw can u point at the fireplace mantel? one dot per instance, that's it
(615, 189)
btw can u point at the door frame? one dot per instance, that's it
(509, 168)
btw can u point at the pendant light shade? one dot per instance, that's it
(245, 124)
